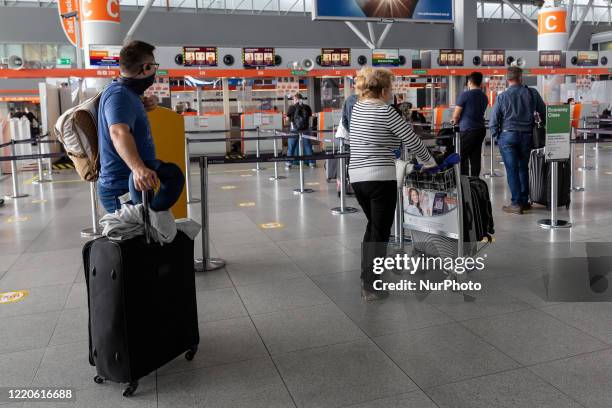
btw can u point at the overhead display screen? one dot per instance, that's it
(451, 58)
(386, 58)
(493, 58)
(415, 10)
(588, 58)
(257, 57)
(336, 57)
(104, 55)
(200, 56)
(550, 59)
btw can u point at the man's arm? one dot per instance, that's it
(459, 108)
(495, 122)
(144, 177)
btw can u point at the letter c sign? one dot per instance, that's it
(101, 10)
(552, 22)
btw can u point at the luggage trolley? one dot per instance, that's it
(439, 214)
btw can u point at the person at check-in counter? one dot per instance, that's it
(512, 122)
(128, 161)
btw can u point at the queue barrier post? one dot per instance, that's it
(206, 263)
(585, 166)
(276, 176)
(301, 190)
(460, 226)
(14, 179)
(39, 163)
(492, 171)
(343, 209)
(553, 222)
(257, 152)
(573, 186)
(190, 199)
(94, 231)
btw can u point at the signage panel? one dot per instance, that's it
(385, 58)
(335, 57)
(413, 10)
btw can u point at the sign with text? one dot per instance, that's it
(104, 55)
(68, 24)
(558, 127)
(451, 58)
(550, 59)
(386, 58)
(493, 58)
(258, 57)
(414, 10)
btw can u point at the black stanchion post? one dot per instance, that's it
(257, 152)
(554, 222)
(14, 178)
(301, 190)
(492, 171)
(39, 162)
(460, 226)
(343, 209)
(585, 166)
(206, 263)
(276, 176)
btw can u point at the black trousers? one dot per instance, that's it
(377, 200)
(471, 151)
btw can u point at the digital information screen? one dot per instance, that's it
(493, 58)
(200, 56)
(375, 10)
(550, 59)
(335, 57)
(385, 58)
(257, 57)
(451, 58)
(588, 58)
(104, 55)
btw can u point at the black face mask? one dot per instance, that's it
(138, 85)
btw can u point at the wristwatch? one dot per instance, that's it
(388, 8)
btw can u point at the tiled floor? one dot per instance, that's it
(283, 325)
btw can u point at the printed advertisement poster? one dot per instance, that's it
(430, 211)
(417, 10)
(104, 55)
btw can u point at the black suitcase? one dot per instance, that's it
(482, 209)
(539, 180)
(142, 306)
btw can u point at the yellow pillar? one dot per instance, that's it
(168, 130)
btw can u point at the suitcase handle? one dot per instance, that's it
(145, 216)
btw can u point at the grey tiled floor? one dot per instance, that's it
(283, 325)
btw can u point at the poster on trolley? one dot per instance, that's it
(440, 11)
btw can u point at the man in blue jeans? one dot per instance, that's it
(127, 153)
(512, 122)
(299, 116)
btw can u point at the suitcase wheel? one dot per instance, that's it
(190, 354)
(98, 379)
(130, 389)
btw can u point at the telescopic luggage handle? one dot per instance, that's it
(145, 216)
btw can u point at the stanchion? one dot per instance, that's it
(206, 263)
(257, 165)
(301, 190)
(94, 231)
(14, 178)
(554, 222)
(573, 186)
(492, 171)
(276, 176)
(585, 166)
(460, 226)
(343, 209)
(190, 199)
(41, 177)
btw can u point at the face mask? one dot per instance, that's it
(139, 85)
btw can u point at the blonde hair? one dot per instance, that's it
(371, 82)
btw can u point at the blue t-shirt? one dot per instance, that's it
(474, 103)
(119, 104)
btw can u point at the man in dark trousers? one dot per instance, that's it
(469, 115)
(512, 122)
(299, 116)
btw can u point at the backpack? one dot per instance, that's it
(77, 131)
(301, 118)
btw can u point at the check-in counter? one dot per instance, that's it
(264, 120)
(206, 123)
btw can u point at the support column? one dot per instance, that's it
(466, 24)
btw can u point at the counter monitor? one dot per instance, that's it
(451, 58)
(386, 58)
(335, 57)
(493, 58)
(257, 57)
(588, 58)
(200, 56)
(550, 59)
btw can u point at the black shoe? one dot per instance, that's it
(526, 207)
(373, 295)
(513, 209)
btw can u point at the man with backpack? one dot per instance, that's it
(299, 116)
(127, 154)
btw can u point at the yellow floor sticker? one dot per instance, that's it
(246, 204)
(272, 225)
(228, 187)
(13, 220)
(313, 183)
(12, 297)
(41, 201)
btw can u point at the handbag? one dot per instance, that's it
(539, 131)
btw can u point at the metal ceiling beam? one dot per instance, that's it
(372, 33)
(137, 22)
(520, 13)
(384, 34)
(360, 35)
(579, 25)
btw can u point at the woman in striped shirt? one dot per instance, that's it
(377, 130)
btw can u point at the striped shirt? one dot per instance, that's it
(376, 131)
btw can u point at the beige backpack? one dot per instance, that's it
(77, 131)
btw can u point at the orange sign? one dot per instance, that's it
(552, 22)
(68, 24)
(33, 99)
(101, 10)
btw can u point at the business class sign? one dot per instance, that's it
(412, 10)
